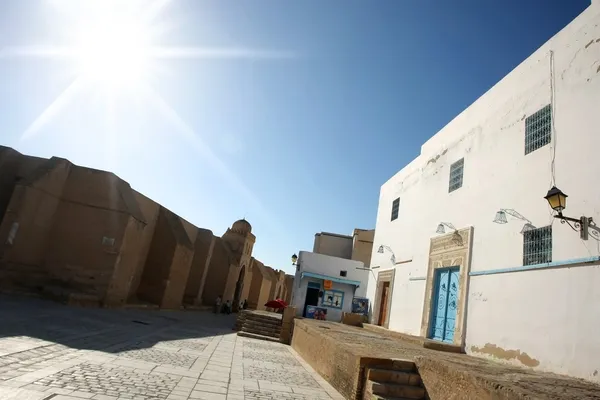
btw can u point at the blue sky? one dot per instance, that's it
(298, 142)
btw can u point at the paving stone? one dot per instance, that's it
(85, 353)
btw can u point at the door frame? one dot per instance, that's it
(383, 276)
(382, 310)
(315, 285)
(434, 305)
(451, 250)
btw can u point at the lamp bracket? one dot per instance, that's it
(583, 225)
(515, 214)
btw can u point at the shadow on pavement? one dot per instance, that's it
(27, 320)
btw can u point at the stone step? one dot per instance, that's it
(257, 325)
(259, 337)
(393, 376)
(395, 390)
(262, 320)
(403, 365)
(261, 332)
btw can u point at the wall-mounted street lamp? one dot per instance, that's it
(383, 248)
(501, 218)
(294, 259)
(456, 238)
(369, 269)
(585, 225)
(441, 230)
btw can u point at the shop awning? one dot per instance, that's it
(331, 278)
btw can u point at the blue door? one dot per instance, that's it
(445, 294)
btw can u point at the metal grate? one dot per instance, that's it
(395, 208)
(538, 129)
(456, 175)
(537, 246)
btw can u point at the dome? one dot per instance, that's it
(241, 226)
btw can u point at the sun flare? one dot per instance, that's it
(113, 52)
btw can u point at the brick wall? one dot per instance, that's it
(330, 359)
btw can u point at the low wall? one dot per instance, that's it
(339, 366)
(341, 353)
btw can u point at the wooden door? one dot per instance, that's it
(445, 303)
(383, 304)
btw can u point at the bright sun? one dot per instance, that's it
(113, 52)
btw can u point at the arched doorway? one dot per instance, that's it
(239, 286)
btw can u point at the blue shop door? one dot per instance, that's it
(445, 302)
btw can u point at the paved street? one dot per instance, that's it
(50, 351)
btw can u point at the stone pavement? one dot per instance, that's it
(53, 352)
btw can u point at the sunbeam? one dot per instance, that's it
(192, 138)
(53, 109)
(112, 46)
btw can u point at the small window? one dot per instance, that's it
(333, 298)
(456, 175)
(537, 246)
(538, 129)
(343, 273)
(395, 208)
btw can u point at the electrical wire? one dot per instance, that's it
(552, 119)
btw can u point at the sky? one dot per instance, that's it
(291, 114)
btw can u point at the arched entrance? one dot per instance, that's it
(239, 286)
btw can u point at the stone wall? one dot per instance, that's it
(341, 368)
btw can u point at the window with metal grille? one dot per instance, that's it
(537, 246)
(538, 129)
(456, 175)
(395, 208)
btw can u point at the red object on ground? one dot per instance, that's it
(276, 304)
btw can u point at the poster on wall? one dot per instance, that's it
(360, 305)
(327, 284)
(315, 312)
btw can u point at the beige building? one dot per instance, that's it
(85, 236)
(356, 247)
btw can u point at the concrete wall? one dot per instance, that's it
(260, 286)
(203, 247)
(333, 244)
(540, 318)
(340, 367)
(31, 213)
(150, 211)
(156, 270)
(362, 245)
(218, 271)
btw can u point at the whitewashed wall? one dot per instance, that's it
(330, 266)
(552, 314)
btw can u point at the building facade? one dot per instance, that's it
(357, 246)
(329, 283)
(85, 236)
(469, 252)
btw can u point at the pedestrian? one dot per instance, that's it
(245, 304)
(227, 307)
(217, 305)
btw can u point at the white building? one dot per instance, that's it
(530, 299)
(328, 282)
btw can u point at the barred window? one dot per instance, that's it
(538, 129)
(537, 246)
(456, 175)
(395, 208)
